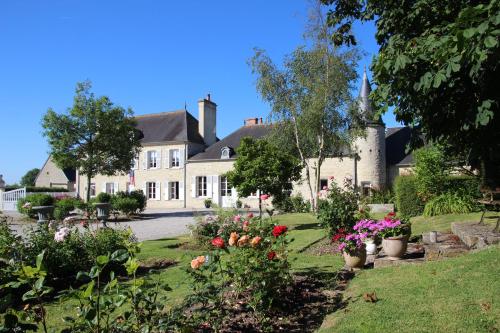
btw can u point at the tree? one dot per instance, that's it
(261, 166)
(310, 99)
(438, 66)
(431, 171)
(94, 136)
(30, 177)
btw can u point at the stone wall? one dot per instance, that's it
(52, 176)
(371, 150)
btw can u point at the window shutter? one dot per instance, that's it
(104, 187)
(193, 187)
(209, 187)
(158, 191)
(215, 187)
(136, 163)
(182, 152)
(234, 194)
(158, 159)
(145, 160)
(167, 158)
(167, 191)
(115, 186)
(181, 190)
(146, 190)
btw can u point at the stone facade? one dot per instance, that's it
(371, 169)
(51, 175)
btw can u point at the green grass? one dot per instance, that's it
(454, 295)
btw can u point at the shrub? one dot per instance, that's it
(408, 203)
(103, 197)
(450, 203)
(384, 196)
(208, 203)
(141, 199)
(431, 171)
(64, 207)
(337, 208)
(34, 189)
(291, 204)
(210, 226)
(464, 185)
(37, 199)
(125, 205)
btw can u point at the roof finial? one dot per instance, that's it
(185, 106)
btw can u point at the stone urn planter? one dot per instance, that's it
(44, 213)
(395, 247)
(370, 245)
(355, 259)
(102, 211)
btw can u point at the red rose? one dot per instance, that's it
(218, 242)
(271, 255)
(279, 230)
(391, 214)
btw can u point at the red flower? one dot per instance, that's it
(279, 230)
(264, 197)
(218, 242)
(250, 215)
(391, 214)
(271, 255)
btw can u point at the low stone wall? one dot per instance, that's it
(381, 208)
(476, 236)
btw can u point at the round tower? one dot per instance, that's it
(370, 149)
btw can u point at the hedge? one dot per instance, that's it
(464, 185)
(34, 189)
(408, 203)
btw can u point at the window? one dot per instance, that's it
(152, 159)
(366, 189)
(174, 190)
(110, 188)
(201, 186)
(175, 158)
(151, 190)
(323, 183)
(225, 187)
(225, 153)
(92, 189)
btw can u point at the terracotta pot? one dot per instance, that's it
(395, 247)
(355, 259)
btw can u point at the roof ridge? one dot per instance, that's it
(159, 113)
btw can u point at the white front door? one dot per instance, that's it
(226, 192)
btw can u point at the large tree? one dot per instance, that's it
(94, 135)
(310, 98)
(438, 67)
(30, 177)
(262, 166)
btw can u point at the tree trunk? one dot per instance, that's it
(490, 168)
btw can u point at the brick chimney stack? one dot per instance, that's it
(207, 120)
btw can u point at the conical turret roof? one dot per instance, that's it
(365, 103)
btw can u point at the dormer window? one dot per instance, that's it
(225, 153)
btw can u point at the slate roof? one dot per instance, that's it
(233, 141)
(396, 141)
(177, 126)
(365, 103)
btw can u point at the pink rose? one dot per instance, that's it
(237, 218)
(264, 197)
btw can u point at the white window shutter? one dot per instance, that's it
(104, 187)
(146, 190)
(234, 194)
(181, 190)
(182, 152)
(193, 187)
(166, 191)
(167, 158)
(158, 159)
(145, 160)
(215, 188)
(158, 191)
(115, 186)
(209, 187)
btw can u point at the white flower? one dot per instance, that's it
(61, 234)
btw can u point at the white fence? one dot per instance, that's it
(10, 198)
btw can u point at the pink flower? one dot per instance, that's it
(325, 188)
(237, 218)
(245, 225)
(264, 197)
(250, 215)
(331, 177)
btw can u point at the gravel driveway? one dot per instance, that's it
(153, 223)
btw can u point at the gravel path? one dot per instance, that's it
(153, 224)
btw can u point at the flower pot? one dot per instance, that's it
(43, 212)
(102, 211)
(370, 245)
(355, 259)
(395, 247)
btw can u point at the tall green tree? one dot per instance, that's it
(94, 136)
(310, 98)
(30, 177)
(438, 67)
(262, 166)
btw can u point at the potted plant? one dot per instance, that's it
(353, 250)
(42, 205)
(395, 234)
(102, 206)
(368, 230)
(208, 202)
(239, 204)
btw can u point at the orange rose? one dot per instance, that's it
(197, 262)
(255, 241)
(243, 240)
(233, 238)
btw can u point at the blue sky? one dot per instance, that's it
(152, 56)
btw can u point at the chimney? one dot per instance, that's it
(207, 116)
(251, 121)
(261, 120)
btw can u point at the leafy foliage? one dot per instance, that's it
(437, 66)
(25, 204)
(29, 178)
(408, 203)
(95, 136)
(431, 171)
(291, 203)
(450, 203)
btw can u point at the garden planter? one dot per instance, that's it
(355, 259)
(102, 211)
(44, 213)
(395, 247)
(370, 245)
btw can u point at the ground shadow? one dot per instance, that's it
(307, 226)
